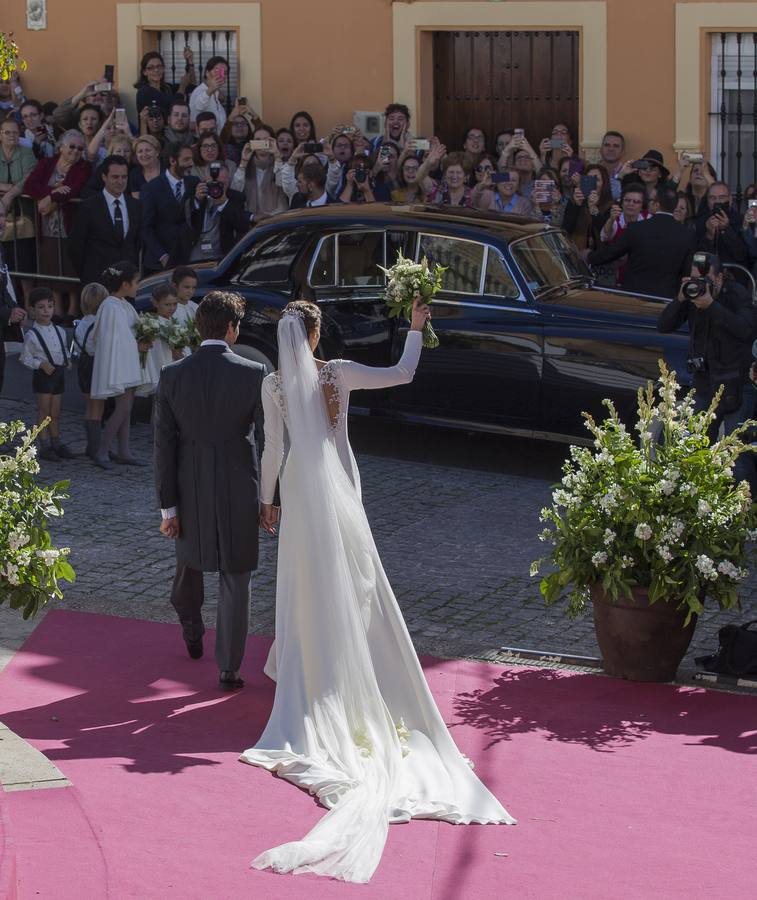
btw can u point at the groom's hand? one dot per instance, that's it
(269, 516)
(170, 527)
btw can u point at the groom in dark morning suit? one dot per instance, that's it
(208, 412)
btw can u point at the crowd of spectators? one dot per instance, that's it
(190, 176)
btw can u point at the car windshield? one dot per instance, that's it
(548, 261)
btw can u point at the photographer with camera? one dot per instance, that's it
(722, 327)
(719, 227)
(215, 218)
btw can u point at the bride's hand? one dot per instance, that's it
(421, 315)
(269, 516)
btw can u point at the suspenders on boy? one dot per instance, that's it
(46, 349)
(83, 346)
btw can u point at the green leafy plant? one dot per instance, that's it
(9, 57)
(407, 282)
(661, 512)
(30, 566)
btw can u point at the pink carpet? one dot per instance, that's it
(621, 790)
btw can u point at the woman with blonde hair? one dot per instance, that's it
(147, 156)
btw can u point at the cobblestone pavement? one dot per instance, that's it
(456, 542)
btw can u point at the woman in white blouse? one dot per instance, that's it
(206, 97)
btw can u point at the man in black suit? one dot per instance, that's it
(163, 204)
(108, 226)
(216, 220)
(11, 314)
(312, 187)
(208, 412)
(659, 250)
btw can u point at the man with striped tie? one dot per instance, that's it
(108, 226)
(164, 202)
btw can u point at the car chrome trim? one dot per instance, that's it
(521, 309)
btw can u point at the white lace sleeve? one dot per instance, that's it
(273, 428)
(357, 377)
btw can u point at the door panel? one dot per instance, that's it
(501, 79)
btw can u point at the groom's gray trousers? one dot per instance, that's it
(232, 615)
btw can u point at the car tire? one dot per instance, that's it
(255, 355)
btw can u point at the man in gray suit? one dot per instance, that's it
(208, 412)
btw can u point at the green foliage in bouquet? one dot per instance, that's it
(661, 512)
(30, 566)
(408, 282)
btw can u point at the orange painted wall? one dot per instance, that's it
(334, 56)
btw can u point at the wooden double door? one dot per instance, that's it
(497, 80)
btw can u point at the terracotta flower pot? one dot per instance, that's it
(640, 641)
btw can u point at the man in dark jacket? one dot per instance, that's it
(163, 208)
(11, 314)
(208, 411)
(659, 250)
(718, 227)
(722, 326)
(312, 188)
(215, 220)
(107, 226)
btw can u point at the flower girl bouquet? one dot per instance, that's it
(146, 330)
(408, 282)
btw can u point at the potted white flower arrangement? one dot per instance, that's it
(647, 527)
(30, 566)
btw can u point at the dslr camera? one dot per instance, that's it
(215, 188)
(698, 287)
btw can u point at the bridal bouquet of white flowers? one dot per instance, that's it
(409, 282)
(147, 330)
(30, 566)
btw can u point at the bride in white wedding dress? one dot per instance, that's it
(353, 720)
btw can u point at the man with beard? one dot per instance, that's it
(163, 208)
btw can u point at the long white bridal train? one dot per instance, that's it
(353, 720)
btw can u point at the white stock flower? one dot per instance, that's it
(48, 556)
(609, 536)
(11, 573)
(663, 551)
(17, 539)
(626, 561)
(703, 508)
(706, 566)
(726, 567)
(643, 531)
(599, 558)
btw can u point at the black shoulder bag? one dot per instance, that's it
(737, 653)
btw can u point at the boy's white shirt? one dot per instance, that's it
(32, 356)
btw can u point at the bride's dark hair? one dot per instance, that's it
(307, 311)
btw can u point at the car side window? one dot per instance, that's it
(360, 255)
(463, 260)
(323, 266)
(270, 259)
(498, 282)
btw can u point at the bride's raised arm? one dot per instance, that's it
(358, 377)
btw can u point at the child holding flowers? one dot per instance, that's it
(170, 342)
(116, 371)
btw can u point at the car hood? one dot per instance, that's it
(601, 304)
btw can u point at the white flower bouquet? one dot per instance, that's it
(174, 334)
(661, 513)
(147, 329)
(30, 566)
(409, 282)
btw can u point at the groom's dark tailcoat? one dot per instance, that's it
(208, 412)
(208, 415)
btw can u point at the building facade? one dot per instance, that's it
(671, 74)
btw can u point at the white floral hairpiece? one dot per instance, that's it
(293, 313)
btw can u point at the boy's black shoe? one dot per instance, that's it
(48, 454)
(63, 451)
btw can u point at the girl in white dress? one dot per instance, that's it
(184, 280)
(116, 371)
(165, 302)
(353, 719)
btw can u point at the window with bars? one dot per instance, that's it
(733, 109)
(203, 44)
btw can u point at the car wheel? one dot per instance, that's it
(255, 355)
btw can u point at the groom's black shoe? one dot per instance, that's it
(230, 681)
(194, 648)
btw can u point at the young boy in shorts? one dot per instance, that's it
(46, 355)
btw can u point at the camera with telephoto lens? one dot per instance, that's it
(215, 188)
(360, 174)
(698, 287)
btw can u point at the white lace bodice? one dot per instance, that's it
(338, 377)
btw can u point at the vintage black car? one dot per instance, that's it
(527, 342)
